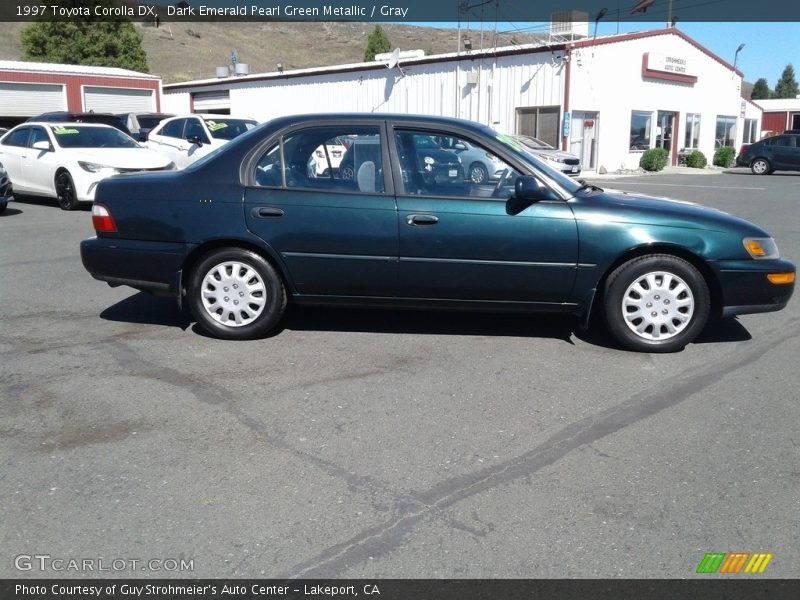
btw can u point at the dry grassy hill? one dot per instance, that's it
(184, 51)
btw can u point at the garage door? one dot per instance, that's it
(118, 100)
(211, 101)
(29, 100)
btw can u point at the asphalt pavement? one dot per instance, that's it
(387, 443)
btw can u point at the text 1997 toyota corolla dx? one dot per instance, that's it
(243, 231)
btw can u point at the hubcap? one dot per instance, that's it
(658, 306)
(760, 166)
(476, 175)
(233, 294)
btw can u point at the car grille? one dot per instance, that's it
(572, 161)
(141, 170)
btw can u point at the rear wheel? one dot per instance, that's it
(65, 191)
(235, 294)
(656, 303)
(478, 173)
(761, 166)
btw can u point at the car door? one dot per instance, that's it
(468, 241)
(168, 139)
(782, 150)
(14, 148)
(336, 234)
(39, 166)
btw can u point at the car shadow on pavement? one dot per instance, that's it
(41, 201)
(10, 212)
(144, 308)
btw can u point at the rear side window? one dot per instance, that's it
(18, 138)
(174, 129)
(336, 159)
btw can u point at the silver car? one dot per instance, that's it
(567, 163)
(480, 166)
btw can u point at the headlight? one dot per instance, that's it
(761, 248)
(94, 167)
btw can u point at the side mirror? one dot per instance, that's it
(42, 145)
(195, 139)
(459, 147)
(529, 188)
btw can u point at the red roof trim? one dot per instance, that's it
(647, 34)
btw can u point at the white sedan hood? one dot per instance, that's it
(122, 158)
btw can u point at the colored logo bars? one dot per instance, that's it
(720, 562)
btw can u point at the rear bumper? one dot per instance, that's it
(149, 266)
(746, 289)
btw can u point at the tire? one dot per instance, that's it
(478, 173)
(65, 191)
(214, 305)
(761, 166)
(656, 303)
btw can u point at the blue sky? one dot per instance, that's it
(769, 47)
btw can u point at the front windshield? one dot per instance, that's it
(227, 129)
(81, 136)
(519, 150)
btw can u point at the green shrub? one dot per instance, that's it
(723, 157)
(654, 159)
(696, 160)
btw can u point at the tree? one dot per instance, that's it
(761, 90)
(377, 42)
(85, 40)
(787, 84)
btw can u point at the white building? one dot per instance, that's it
(605, 99)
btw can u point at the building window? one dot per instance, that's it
(750, 131)
(692, 131)
(641, 126)
(540, 122)
(726, 132)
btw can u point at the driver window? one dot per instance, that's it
(440, 164)
(195, 128)
(38, 135)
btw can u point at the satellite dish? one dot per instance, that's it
(393, 59)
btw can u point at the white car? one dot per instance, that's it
(67, 160)
(185, 139)
(327, 158)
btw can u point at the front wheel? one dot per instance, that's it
(65, 191)
(760, 166)
(236, 295)
(656, 303)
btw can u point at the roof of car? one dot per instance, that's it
(64, 124)
(377, 117)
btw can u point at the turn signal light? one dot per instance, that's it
(102, 220)
(781, 278)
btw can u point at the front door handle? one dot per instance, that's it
(422, 220)
(267, 212)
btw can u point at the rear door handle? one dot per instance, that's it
(422, 220)
(267, 212)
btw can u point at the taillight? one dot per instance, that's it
(102, 220)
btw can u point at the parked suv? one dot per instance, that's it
(82, 117)
(140, 124)
(777, 153)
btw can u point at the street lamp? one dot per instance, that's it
(736, 55)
